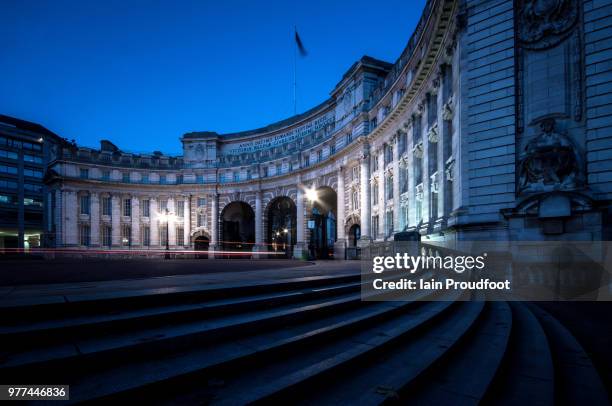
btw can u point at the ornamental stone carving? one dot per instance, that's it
(419, 192)
(450, 169)
(544, 23)
(417, 150)
(549, 162)
(448, 109)
(433, 134)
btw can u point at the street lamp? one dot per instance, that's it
(166, 217)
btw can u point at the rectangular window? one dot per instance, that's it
(307, 160)
(279, 169)
(389, 187)
(146, 236)
(8, 154)
(432, 109)
(85, 204)
(180, 236)
(107, 208)
(32, 158)
(348, 138)
(126, 235)
(201, 201)
(236, 176)
(33, 173)
(84, 173)
(31, 187)
(107, 236)
(163, 205)
(319, 155)
(106, 175)
(332, 149)
(8, 169)
(389, 223)
(416, 129)
(126, 177)
(146, 208)
(7, 184)
(265, 171)
(355, 200)
(162, 179)
(163, 233)
(375, 194)
(419, 210)
(145, 178)
(199, 178)
(84, 233)
(355, 173)
(375, 226)
(127, 207)
(180, 208)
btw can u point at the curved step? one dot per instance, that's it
(147, 342)
(163, 374)
(56, 330)
(576, 379)
(72, 305)
(381, 378)
(281, 380)
(463, 377)
(527, 374)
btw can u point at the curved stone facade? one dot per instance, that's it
(441, 142)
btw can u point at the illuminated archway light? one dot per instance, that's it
(311, 194)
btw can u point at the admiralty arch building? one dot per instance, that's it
(495, 122)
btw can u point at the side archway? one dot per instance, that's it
(281, 225)
(237, 229)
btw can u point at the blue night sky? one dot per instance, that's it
(142, 73)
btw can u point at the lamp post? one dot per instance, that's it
(165, 218)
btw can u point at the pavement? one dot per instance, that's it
(197, 275)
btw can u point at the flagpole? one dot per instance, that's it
(294, 71)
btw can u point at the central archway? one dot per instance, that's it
(201, 243)
(323, 218)
(281, 236)
(237, 229)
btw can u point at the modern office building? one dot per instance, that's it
(24, 153)
(495, 122)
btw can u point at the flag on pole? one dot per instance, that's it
(300, 45)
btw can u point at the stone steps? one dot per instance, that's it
(303, 343)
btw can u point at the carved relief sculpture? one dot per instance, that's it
(549, 162)
(544, 23)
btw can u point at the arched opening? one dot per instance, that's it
(354, 235)
(281, 226)
(322, 223)
(237, 229)
(201, 244)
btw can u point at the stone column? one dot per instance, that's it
(396, 184)
(340, 245)
(153, 223)
(300, 246)
(382, 195)
(172, 224)
(116, 221)
(187, 221)
(135, 221)
(258, 224)
(72, 212)
(95, 220)
(214, 234)
(59, 217)
(364, 186)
